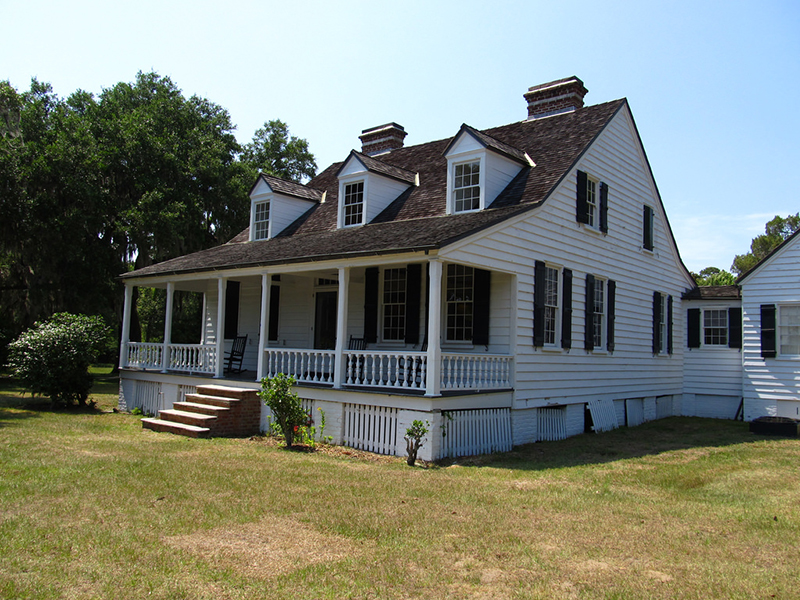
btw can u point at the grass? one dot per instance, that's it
(92, 506)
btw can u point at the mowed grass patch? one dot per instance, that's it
(92, 506)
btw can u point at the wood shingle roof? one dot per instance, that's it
(417, 219)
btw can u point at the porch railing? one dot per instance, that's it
(192, 358)
(476, 371)
(307, 366)
(186, 358)
(143, 355)
(386, 369)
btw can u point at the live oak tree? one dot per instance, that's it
(92, 186)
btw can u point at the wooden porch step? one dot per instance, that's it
(225, 391)
(174, 427)
(187, 418)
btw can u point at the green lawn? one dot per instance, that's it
(92, 506)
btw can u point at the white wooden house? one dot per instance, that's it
(502, 281)
(771, 331)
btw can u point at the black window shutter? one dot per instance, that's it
(274, 308)
(735, 327)
(768, 347)
(539, 276)
(480, 323)
(413, 282)
(612, 302)
(582, 207)
(231, 309)
(589, 315)
(566, 310)
(647, 228)
(693, 327)
(669, 324)
(656, 322)
(371, 281)
(604, 207)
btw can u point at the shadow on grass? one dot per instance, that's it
(649, 439)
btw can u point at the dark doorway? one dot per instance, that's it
(325, 321)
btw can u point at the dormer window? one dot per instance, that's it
(353, 204)
(479, 167)
(261, 221)
(466, 187)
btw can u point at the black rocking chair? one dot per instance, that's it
(236, 355)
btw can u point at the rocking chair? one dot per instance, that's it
(236, 355)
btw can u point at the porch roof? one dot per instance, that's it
(417, 219)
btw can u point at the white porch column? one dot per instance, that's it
(434, 372)
(220, 332)
(341, 326)
(126, 326)
(264, 330)
(167, 327)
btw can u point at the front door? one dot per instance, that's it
(325, 321)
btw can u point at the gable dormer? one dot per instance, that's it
(367, 186)
(479, 167)
(276, 203)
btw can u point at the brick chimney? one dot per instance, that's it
(382, 139)
(554, 98)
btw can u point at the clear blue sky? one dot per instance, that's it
(713, 85)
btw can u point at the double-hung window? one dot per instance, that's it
(353, 204)
(598, 300)
(261, 221)
(394, 304)
(466, 186)
(715, 327)
(550, 305)
(592, 202)
(789, 329)
(459, 303)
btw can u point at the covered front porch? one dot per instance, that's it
(363, 327)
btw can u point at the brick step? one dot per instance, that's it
(203, 409)
(208, 400)
(225, 391)
(187, 418)
(176, 428)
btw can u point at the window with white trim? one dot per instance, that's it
(353, 207)
(459, 303)
(261, 221)
(663, 325)
(551, 306)
(394, 304)
(599, 313)
(466, 186)
(591, 202)
(715, 327)
(789, 329)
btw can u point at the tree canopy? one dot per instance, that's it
(775, 232)
(92, 186)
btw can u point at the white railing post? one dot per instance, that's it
(167, 327)
(341, 326)
(264, 329)
(433, 384)
(219, 336)
(126, 327)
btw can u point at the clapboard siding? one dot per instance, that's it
(551, 234)
(711, 371)
(768, 381)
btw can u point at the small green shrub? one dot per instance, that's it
(276, 392)
(414, 441)
(52, 358)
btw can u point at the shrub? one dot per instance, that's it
(52, 358)
(414, 441)
(277, 394)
